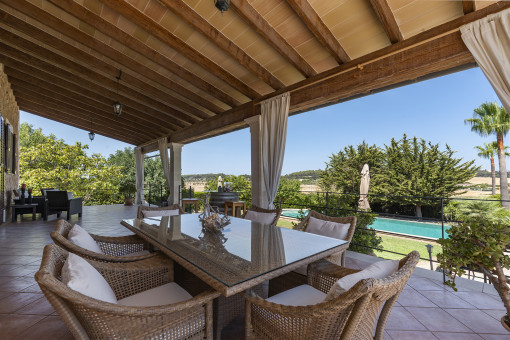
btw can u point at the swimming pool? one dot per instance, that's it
(413, 228)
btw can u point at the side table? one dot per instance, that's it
(186, 201)
(18, 209)
(235, 205)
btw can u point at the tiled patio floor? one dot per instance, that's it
(425, 310)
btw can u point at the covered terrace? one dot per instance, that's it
(182, 72)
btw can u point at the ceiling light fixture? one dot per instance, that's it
(222, 5)
(91, 134)
(117, 106)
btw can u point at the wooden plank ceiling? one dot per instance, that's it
(190, 72)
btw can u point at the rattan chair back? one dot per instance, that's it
(142, 208)
(88, 318)
(256, 209)
(114, 248)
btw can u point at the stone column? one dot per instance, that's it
(257, 182)
(175, 172)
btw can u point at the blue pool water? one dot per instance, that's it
(421, 229)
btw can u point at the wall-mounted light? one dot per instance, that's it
(117, 106)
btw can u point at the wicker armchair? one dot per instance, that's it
(88, 318)
(255, 209)
(294, 279)
(351, 315)
(142, 208)
(114, 248)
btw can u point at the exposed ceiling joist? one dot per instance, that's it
(315, 24)
(468, 6)
(245, 10)
(177, 44)
(387, 18)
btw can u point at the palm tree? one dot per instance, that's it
(490, 119)
(488, 151)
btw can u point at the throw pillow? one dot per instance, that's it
(328, 228)
(81, 238)
(154, 213)
(378, 270)
(79, 275)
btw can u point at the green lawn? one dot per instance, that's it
(405, 246)
(285, 223)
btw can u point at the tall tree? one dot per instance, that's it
(492, 119)
(488, 151)
(416, 170)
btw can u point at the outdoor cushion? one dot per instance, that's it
(154, 213)
(264, 218)
(138, 253)
(81, 238)
(377, 270)
(163, 295)
(303, 295)
(79, 275)
(328, 228)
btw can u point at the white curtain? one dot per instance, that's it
(488, 39)
(163, 153)
(273, 135)
(139, 175)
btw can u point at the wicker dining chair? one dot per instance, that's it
(89, 318)
(142, 208)
(297, 278)
(115, 248)
(351, 315)
(259, 211)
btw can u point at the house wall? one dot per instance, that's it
(10, 112)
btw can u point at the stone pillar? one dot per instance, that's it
(175, 172)
(257, 183)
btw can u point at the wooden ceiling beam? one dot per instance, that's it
(269, 34)
(387, 19)
(125, 62)
(102, 115)
(150, 98)
(468, 6)
(109, 71)
(319, 29)
(46, 74)
(177, 44)
(63, 117)
(183, 11)
(122, 37)
(76, 113)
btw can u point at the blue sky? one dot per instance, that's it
(434, 110)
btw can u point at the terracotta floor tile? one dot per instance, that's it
(478, 321)
(421, 283)
(456, 336)
(400, 319)
(481, 300)
(411, 298)
(12, 325)
(50, 328)
(411, 335)
(446, 299)
(39, 307)
(16, 301)
(437, 320)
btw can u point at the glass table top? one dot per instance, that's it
(242, 251)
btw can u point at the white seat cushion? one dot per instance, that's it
(81, 238)
(163, 295)
(154, 213)
(303, 295)
(377, 270)
(138, 253)
(264, 218)
(80, 276)
(328, 228)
